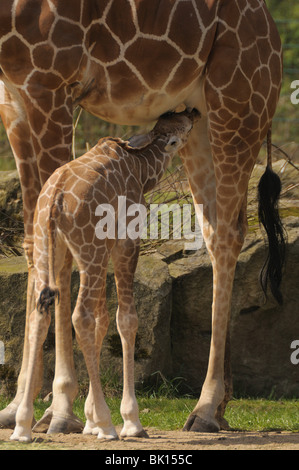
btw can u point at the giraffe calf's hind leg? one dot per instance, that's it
(39, 322)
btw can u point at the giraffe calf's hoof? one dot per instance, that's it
(21, 434)
(139, 434)
(109, 434)
(143, 434)
(197, 424)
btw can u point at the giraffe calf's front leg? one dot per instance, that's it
(130, 413)
(125, 256)
(129, 407)
(98, 418)
(127, 323)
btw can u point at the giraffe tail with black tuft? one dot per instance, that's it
(51, 292)
(269, 189)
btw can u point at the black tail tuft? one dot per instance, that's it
(268, 195)
(46, 299)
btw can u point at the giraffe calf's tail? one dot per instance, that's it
(50, 292)
(269, 189)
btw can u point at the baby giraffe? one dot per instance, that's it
(65, 219)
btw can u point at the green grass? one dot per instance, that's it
(263, 415)
(171, 413)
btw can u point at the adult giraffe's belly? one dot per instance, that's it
(122, 97)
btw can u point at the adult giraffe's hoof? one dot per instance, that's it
(53, 424)
(8, 417)
(65, 425)
(223, 424)
(196, 424)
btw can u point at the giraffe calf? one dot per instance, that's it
(65, 221)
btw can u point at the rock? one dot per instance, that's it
(13, 281)
(261, 339)
(10, 194)
(191, 318)
(11, 213)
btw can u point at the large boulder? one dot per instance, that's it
(263, 332)
(11, 214)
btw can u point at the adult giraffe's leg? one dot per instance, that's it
(52, 139)
(228, 385)
(240, 103)
(223, 243)
(125, 257)
(224, 246)
(15, 121)
(38, 150)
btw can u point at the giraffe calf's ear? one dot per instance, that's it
(140, 141)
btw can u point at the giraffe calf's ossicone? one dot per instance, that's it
(65, 219)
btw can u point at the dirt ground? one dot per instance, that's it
(159, 440)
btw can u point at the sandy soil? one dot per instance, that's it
(161, 440)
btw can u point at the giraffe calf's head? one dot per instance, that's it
(172, 128)
(176, 127)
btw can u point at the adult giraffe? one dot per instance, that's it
(129, 61)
